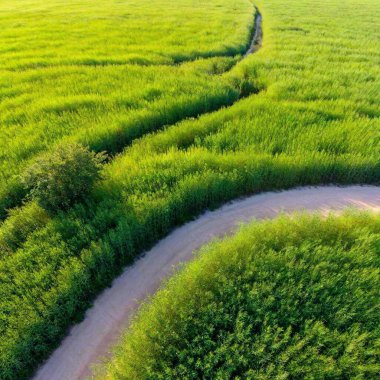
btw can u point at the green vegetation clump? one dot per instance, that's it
(290, 298)
(63, 177)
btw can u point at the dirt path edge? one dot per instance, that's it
(92, 339)
(257, 37)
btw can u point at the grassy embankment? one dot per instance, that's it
(315, 122)
(289, 298)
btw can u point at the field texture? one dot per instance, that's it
(140, 80)
(292, 298)
(106, 72)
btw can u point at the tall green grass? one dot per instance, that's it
(315, 121)
(83, 32)
(290, 298)
(106, 73)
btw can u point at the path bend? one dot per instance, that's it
(91, 339)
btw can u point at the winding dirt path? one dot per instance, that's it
(91, 339)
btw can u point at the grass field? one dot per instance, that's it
(290, 298)
(187, 124)
(104, 73)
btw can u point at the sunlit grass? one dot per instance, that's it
(104, 73)
(35, 33)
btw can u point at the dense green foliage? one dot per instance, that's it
(63, 177)
(314, 120)
(290, 298)
(20, 223)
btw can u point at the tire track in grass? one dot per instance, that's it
(257, 37)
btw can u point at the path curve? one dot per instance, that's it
(91, 339)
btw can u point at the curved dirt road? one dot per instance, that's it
(91, 339)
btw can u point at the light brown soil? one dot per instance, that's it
(91, 339)
(257, 35)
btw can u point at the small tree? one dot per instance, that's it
(63, 177)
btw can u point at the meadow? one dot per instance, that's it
(187, 125)
(269, 303)
(93, 73)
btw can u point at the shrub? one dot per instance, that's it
(63, 177)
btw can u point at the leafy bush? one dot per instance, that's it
(290, 298)
(63, 177)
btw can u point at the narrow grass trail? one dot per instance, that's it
(91, 339)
